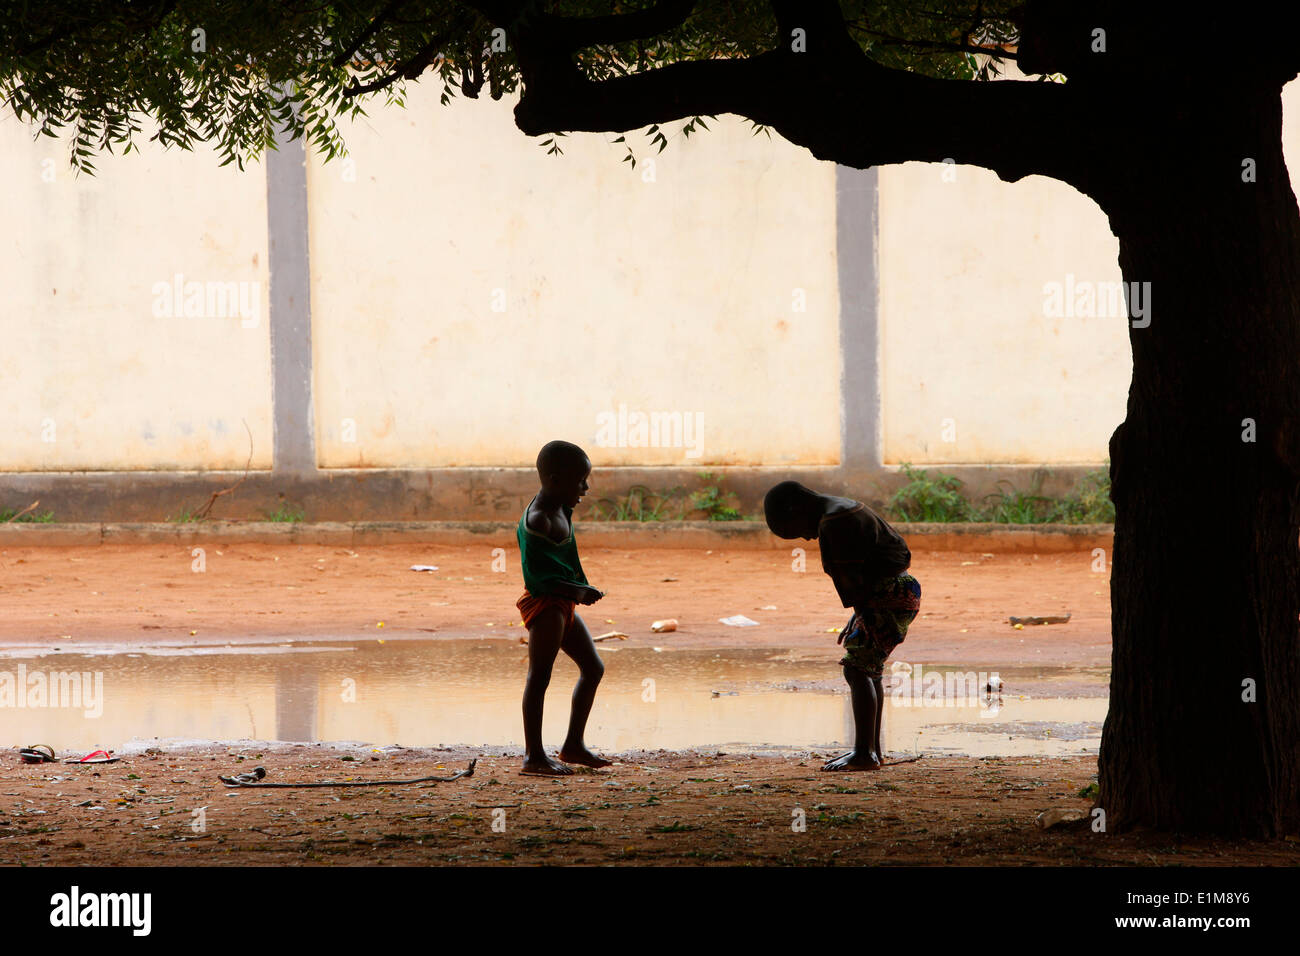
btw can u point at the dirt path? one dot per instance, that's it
(150, 593)
(651, 809)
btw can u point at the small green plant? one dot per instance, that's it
(1089, 501)
(640, 504)
(935, 496)
(185, 516)
(285, 513)
(1017, 507)
(930, 498)
(717, 505)
(25, 517)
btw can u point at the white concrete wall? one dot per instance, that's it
(974, 369)
(474, 297)
(675, 295)
(91, 378)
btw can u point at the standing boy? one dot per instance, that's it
(554, 584)
(866, 559)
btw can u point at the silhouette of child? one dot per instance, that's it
(553, 584)
(866, 560)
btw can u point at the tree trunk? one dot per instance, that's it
(1203, 732)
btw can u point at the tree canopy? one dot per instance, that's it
(212, 71)
(858, 82)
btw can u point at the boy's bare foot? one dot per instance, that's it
(853, 760)
(546, 767)
(582, 755)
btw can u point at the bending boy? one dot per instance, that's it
(867, 560)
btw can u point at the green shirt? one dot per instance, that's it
(546, 563)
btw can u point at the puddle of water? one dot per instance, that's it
(434, 693)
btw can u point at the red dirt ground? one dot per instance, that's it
(148, 593)
(651, 808)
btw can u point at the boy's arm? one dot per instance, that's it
(854, 563)
(579, 593)
(539, 522)
(891, 553)
(848, 628)
(844, 563)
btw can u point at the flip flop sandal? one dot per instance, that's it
(252, 776)
(37, 753)
(98, 756)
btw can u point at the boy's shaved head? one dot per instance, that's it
(787, 497)
(788, 508)
(560, 458)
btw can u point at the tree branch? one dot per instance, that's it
(825, 31)
(938, 46)
(148, 21)
(1123, 43)
(574, 33)
(842, 107)
(413, 67)
(344, 58)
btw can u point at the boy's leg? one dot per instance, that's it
(867, 700)
(545, 634)
(908, 588)
(878, 682)
(577, 643)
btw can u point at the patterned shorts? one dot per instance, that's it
(530, 605)
(869, 639)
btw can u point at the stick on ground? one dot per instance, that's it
(238, 781)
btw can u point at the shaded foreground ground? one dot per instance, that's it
(685, 808)
(652, 808)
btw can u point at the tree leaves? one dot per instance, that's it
(231, 75)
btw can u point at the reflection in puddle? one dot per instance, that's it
(432, 693)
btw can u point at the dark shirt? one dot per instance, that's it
(545, 562)
(859, 548)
